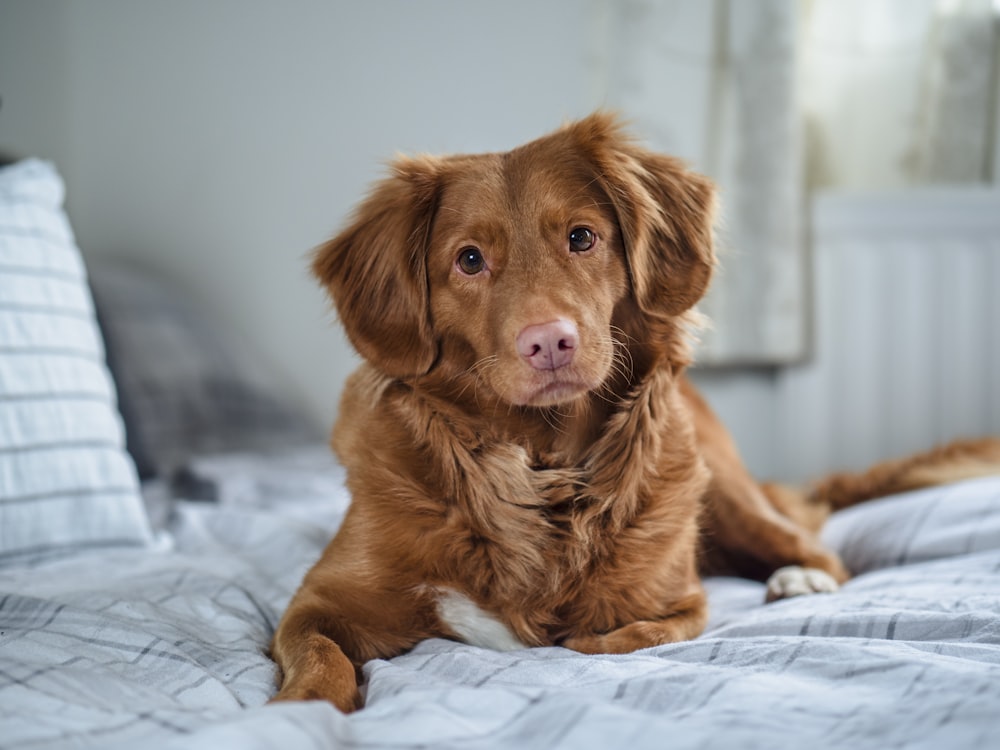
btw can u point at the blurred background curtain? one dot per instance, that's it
(774, 98)
(899, 92)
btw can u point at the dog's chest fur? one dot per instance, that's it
(543, 546)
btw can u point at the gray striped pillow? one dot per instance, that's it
(66, 482)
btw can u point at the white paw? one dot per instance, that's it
(796, 581)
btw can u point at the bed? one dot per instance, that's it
(141, 579)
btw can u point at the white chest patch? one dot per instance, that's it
(472, 625)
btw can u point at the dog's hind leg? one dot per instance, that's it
(744, 530)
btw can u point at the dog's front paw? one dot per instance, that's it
(345, 696)
(793, 580)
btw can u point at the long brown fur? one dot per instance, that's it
(575, 504)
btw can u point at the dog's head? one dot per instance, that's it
(522, 265)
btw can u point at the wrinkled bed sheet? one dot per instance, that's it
(166, 648)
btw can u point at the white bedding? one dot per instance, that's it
(166, 648)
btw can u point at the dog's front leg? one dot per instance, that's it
(336, 622)
(686, 622)
(313, 666)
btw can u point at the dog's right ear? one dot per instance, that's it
(376, 271)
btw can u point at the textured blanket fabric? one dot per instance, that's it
(166, 648)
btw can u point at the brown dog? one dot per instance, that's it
(528, 464)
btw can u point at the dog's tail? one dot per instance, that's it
(962, 459)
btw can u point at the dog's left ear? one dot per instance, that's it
(665, 211)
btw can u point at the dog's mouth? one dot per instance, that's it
(551, 388)
(556, 393)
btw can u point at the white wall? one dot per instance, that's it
(218, 142)
(35, 93)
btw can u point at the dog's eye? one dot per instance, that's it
(471, 260)
(581, 239)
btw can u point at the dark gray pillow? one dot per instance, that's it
(185, 388)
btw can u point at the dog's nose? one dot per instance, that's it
(549, 346)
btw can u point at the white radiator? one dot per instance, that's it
(906, 344)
